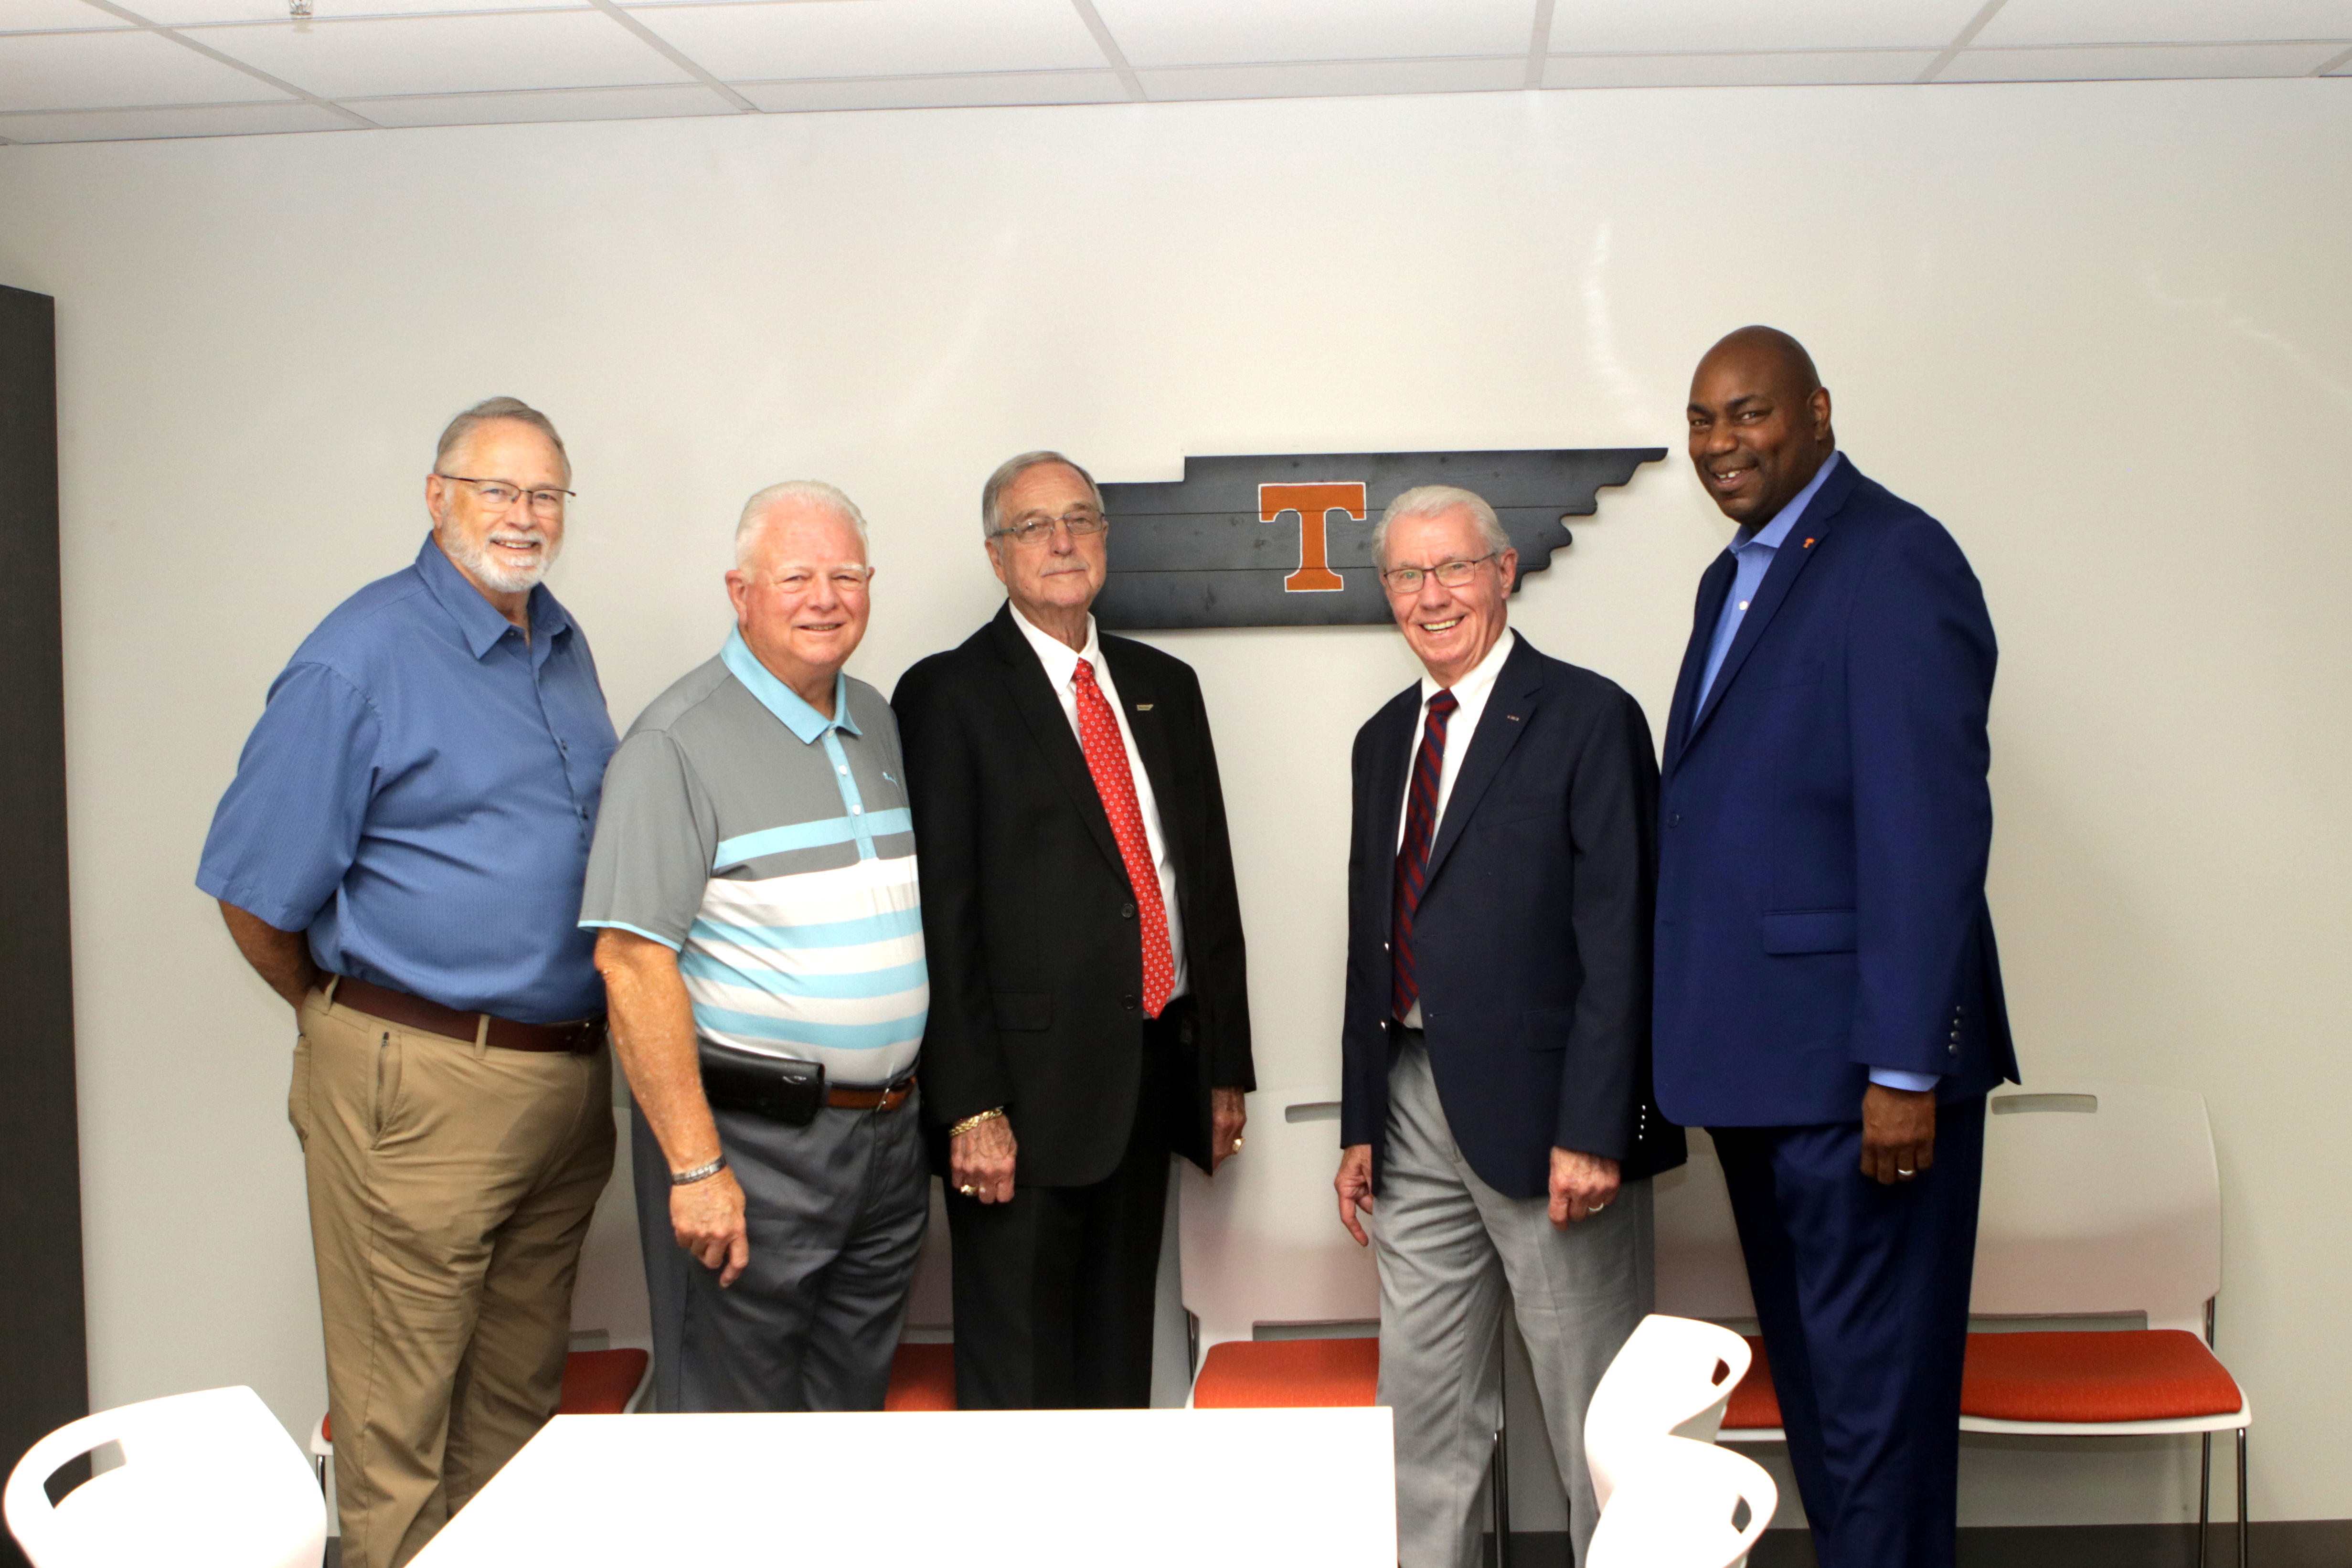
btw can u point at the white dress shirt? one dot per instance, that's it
(1061, 661)
(1471, 692)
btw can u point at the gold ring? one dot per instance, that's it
(969, 1190)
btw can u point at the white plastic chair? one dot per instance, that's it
(1672, 1378)
(206, 1479)
(1678, 1505)
(2102, 1198)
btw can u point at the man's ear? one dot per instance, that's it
(1820, 403)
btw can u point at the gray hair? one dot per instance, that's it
(815, 492)
(1429, 501)
(455, 433)
(1012, 468)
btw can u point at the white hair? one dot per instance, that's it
(1012, 468)
(814, 492)
(1434, 500)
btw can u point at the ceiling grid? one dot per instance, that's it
(100, 70)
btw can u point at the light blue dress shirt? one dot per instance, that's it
(1755, 551)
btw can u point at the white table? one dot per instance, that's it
(1190, 1488)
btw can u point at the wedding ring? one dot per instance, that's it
(1905, 1175)
(1594, 1207)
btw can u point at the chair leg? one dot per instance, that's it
(2204, 1491)
(2244, 1513)
(1498, 1492)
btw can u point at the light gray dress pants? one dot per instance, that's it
(1450, 1248)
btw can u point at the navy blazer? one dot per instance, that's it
(1531, 943)
(1825, 822)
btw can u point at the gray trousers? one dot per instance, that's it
(835, 1212)
(1451, 1249)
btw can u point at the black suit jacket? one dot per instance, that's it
(1029, 925)
(1531, 943)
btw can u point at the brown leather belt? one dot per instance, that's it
(890, 1098)
(576, 1039)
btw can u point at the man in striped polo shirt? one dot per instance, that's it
(762, 943)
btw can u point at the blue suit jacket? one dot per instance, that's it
(1824, 823)
(1532, 941)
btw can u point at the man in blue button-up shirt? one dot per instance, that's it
(400, 857)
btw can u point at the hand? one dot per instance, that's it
(1354, 1185)
(1898, 1133)
(707, 1217)
(982, 1159)
(1227, 1115)
(1580, 1185)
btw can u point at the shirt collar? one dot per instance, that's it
(1482, 675)
(478, 619)
(780, 699)
(1060, 660)
(1772, 533)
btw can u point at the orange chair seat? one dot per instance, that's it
(1270, 1374)
(1754, 1404)
(2093, 1375)
(595, 1383)
(923, 1377)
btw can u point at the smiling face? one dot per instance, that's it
(1056, 575)
(801, 597)
(1449, 629)
(502, 551)
(1759, 423)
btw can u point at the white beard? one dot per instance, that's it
(485, 564)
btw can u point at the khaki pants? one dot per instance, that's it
(450, 1186)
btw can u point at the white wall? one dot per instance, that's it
(2100, 331)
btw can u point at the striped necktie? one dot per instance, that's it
(1413, 856)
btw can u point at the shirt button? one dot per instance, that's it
(839, 768)
(856, 811)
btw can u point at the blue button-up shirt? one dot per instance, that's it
(1755, 551)
(420, 795)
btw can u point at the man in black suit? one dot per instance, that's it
(1089, 1006)
(1497, 1037)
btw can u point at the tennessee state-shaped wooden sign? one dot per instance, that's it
(1287, 541)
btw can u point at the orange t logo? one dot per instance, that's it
(1310, 502)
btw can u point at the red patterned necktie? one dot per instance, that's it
(1106, 760)
(1413, 855)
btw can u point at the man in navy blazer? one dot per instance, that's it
(1828, 996)
(1497, 1100)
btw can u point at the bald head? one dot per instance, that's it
(1759, 423)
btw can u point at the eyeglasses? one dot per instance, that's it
(1449, 573)
(1035, 528)
(500, 494)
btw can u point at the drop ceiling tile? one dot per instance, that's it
(114, 70)
(1845, 68)
(143, 124)
(201, 12)
(803, 38)
(1336, 78)
(2141, 64)
(1665, 27)
(1008, 89)
(1242, 32)
(47, 16)
(522, 108)
(451, 54)
(2021, 22)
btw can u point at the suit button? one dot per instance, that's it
(1953, 1048)
(1127, 912)
(1674, 821)
(1127, 1002)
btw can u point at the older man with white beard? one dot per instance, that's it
(400, 858)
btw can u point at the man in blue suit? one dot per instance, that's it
(1497, 1098)
(1828, 996)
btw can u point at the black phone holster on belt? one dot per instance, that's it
(775, 1087)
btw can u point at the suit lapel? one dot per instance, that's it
(1392, 761)
(1041, 712)
(1788, 563)
(1510, 708)
(1713, 588)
